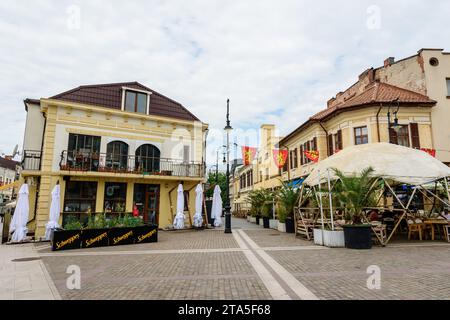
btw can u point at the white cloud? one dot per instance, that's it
(277, 61)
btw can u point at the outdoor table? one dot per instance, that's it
(435, 223)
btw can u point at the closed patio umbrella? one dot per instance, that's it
(198, 219)
(20, 218)
(54, 212)
(216, 210)
(178, 222)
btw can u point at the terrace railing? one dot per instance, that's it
(31, 160)
(128, 164)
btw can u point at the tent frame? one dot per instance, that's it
(305, 194)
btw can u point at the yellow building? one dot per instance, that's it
(112, 148)
(359, 116)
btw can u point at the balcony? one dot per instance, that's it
(31, 160)
(128, 164)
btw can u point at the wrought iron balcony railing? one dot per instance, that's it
(131, 164)
(31, 160)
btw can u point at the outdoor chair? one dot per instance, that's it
(447, 232)
(415, 228)
(305, 226)
(379, 232)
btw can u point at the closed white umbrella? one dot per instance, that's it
(178, 222)
(216, 211)
(20, 217)
(54, 212)
(198, 218)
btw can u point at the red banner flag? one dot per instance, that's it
(312, 155)
(431, 152)
(248, 154)
(280, 157)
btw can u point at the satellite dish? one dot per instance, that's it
(15, 151)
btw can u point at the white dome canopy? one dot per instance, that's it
(390, 161)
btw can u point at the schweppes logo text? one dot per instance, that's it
(147, 235)
(96, 239)
(123, 237)
(61, 244)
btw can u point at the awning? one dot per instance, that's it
(296, 183)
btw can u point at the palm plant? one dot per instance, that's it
(287, 198)
(354, 193)
(257, 199)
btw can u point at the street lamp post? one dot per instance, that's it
(396, 127)
(228, 129)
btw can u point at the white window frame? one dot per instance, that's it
(125, 89)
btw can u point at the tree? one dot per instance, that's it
(287, 198)
(212, 181)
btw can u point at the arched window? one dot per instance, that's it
(147, 158)
(117, 155)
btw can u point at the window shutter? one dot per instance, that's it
(393, 136)
(415, 135)
(301, 156)
(330, 145)
(339, 144)
(314, 144)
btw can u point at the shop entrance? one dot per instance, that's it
(146, 199)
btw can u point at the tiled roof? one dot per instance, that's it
(110, 96)
(8, 164)
(374, 94)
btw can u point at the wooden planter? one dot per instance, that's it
(91, 238)
(273, 224)
(65, 239)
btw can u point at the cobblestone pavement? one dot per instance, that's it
(252, 263)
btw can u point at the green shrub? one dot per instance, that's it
(130, 221)
(73, 224)
(97, 221)
(281, 213)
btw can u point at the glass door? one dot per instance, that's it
(146, 199)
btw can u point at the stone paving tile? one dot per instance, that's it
(274, 238)
(406, 272)
(177, 276)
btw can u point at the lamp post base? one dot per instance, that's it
(228, 223)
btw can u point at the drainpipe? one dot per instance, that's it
(378, 122)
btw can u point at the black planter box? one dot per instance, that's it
(257, 220)
(91, 238)
(66, 239)
(145, 234)
(120, 236)
(266, 223)
(290, 228)
(358, 237)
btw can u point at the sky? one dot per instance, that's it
(277, 61)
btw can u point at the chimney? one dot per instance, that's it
(389, 61)
(330, 102)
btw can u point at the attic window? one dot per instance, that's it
(136, 101)
(434, 62)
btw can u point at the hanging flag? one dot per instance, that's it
(431, 152)
(312, 155)
(248, 154)
(280, 157)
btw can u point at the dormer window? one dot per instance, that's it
(135, 101)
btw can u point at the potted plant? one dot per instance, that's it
(354, 193)
(288, 198)
(281, 214)
(267, 207)
(256, 199)
(120, 231)
(95, 234)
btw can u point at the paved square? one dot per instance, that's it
(252, 263)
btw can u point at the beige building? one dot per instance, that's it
(412, 93)
(111, 147)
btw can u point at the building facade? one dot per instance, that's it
(112, 148)
(396, 103)
(9, 170)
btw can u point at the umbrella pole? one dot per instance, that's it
(331, 200)
(321, 207)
